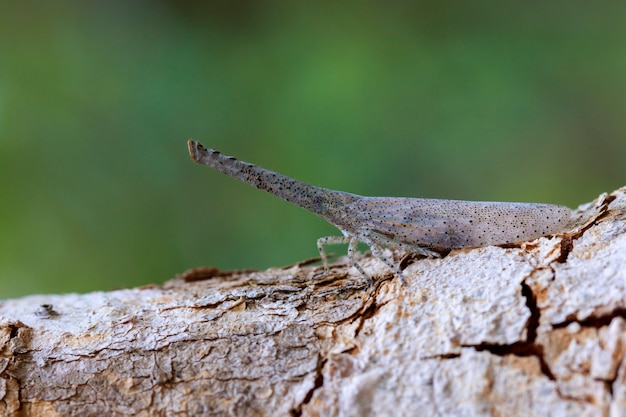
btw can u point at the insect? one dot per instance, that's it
(416, 225)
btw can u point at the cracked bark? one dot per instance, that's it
(533, 330)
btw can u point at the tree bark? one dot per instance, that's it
(533, 330)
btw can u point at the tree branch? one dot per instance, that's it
(531, 330)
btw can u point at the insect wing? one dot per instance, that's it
(420, 222)
(445, 224)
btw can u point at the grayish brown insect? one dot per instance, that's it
(416, 225)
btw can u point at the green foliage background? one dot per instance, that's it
(467, 100)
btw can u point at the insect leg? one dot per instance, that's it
(333, 240)
(407, 247)
(377, 252)
(351, 249)
(330, 240)
(420, 250)
(374, 241)
(416, 249)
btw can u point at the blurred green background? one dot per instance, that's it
(464, 100)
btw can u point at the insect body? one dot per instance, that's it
(415, 225)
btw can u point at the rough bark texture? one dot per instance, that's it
(532, 330)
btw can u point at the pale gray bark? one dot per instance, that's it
(533, 330)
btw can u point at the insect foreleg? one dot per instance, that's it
(335, 240)
(330, 240)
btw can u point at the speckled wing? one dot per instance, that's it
(447, 224)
